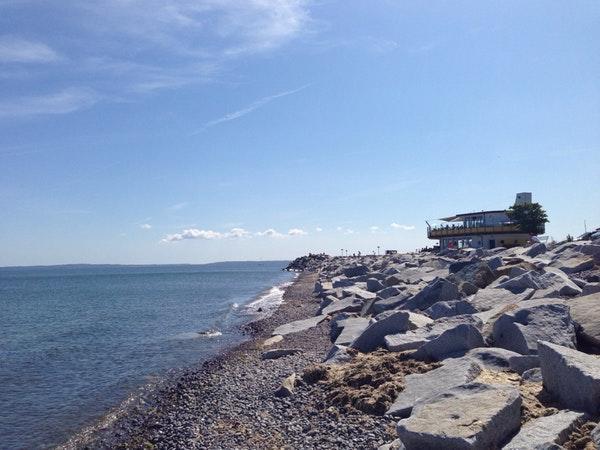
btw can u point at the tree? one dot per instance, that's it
(530, 217)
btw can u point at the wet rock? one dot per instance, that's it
(571, 376)
(473, 416)
(454, 372)
(546, 432)
(519, 330)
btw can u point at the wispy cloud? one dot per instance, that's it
(297, 232)
(145, 226)
(195, 233)
(399, 226)
(194, 40)
(374, 229)
(177, 206)
(66, 101)
(17, 50)
(318, 229)
(247, 110)
(270, 233)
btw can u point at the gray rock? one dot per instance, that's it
(348, 304)
(342, 283)
(336, 325)
(571, 376)
(357, 292)
(388, 292)
(396, 322)
(533, 375)
(590, 288)
(577, 263)
(356, 271)
(299, 325)
(448, 309)
(339, 354)
(536, 249)
(396, 444)
(279, 353)
(520, 329)
(546, 432)
(494, 262)
(523, 363)
(479, 275)
(459, 265)
(585, 311)
(385, 304)
(413, 339)
(595, 435)
(516, 285)
(438, 290)
(374, 285)
(486, 299)
(496, 359)
(454, 372)
(328, 300)
(351, 329)
(473, 416)
(287, 387)
(459, 339)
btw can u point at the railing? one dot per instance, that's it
(457, 231)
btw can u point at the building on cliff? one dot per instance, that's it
(484, 229)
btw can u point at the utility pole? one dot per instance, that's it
(378, 250)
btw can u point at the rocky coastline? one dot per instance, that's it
(477, 349)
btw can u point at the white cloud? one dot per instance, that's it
(238, 233)
(402, 227)
(17, 50)
(177, 206)
(193, 233)
(66, 101)
(242, 112)
(297, 232)
(319, 229)
(270, 233)
(374, 229)
(145, 226)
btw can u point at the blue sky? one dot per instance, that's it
(193, 131)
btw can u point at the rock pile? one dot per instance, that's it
(493, 323)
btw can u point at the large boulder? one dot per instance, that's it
(348, 304)
(461, 264)
(571, 376)
(351, 329)
(448, 309)
(459, 339)
(473, 416)
(546, 432)
(355, 291)
(585, 312)
(388, 292)
(486, 299)
(576, 263)
(299, 325)
(478, 274)
(536, 249)
(356, 271)
(384, 304)
(519, 330)
(385, 324)
(492, 358)
(414, 339)
(551, 282)
(438, 290)
(374, 285)
(454, 372)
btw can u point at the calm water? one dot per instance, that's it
(75, 341)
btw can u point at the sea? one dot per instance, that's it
(76, 341)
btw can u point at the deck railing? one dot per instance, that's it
(457, 231)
